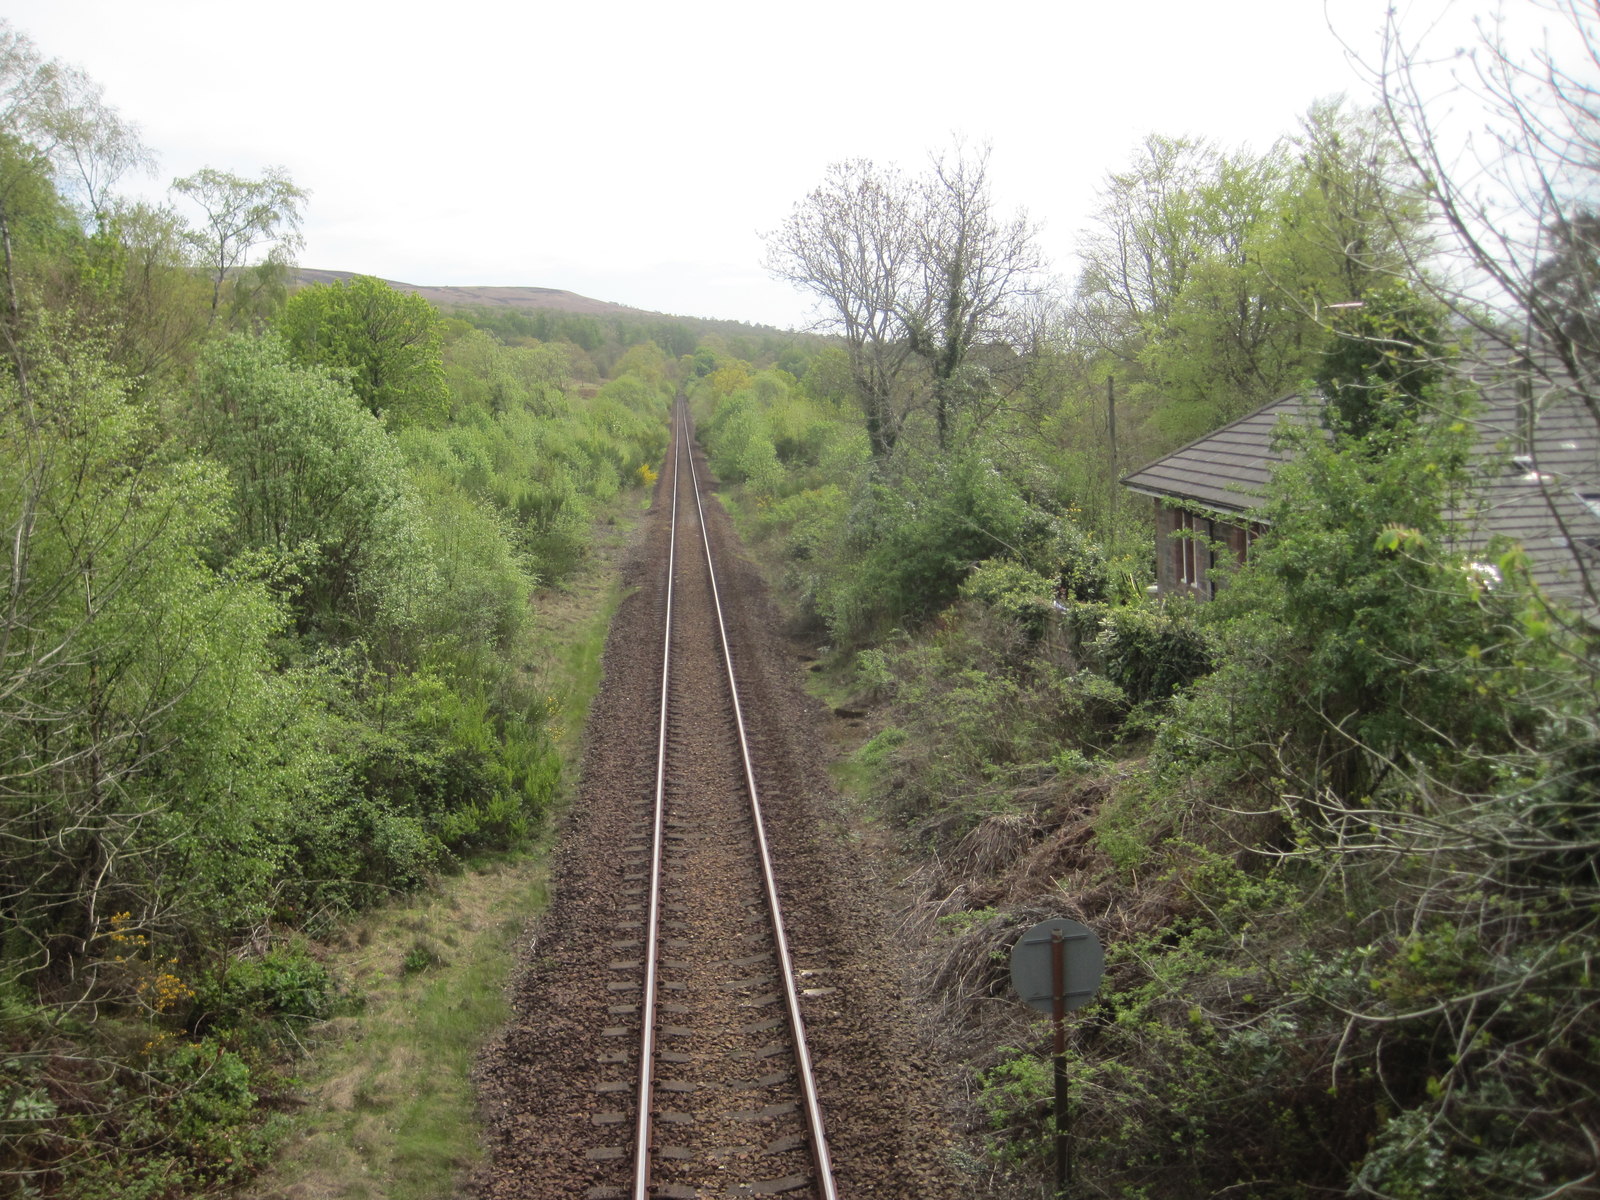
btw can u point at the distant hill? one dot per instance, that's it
(491, 297)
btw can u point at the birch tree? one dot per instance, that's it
(239, 215)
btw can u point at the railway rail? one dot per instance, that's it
(661, 848)
(725, 1099)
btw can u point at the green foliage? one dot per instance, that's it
(132, 283)
(827, 378)
(602, 341)
(386, 344)
(37, 218)
(484, 374)
(1082, 573)
(909, 545)
(1153, 650)
(423, 955)
(741, 445)
(318, 485)
(240, 214)
(976, 707)
(809, 525)
(1384, 364)
(121, 643)
(187, 1122)
(266, 652)
(284, 983)
(1351, 623)
(1417, 1155)
(1207, 272)
(1233, 337)
(1017, 1095)
(1014, 591)
(480, 581)
(415, 772)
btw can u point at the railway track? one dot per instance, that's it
(730, 1110)
(723, 1098)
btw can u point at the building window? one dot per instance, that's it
(1192, 538)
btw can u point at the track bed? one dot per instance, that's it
(730, 1114)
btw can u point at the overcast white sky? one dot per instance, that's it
(635, 152)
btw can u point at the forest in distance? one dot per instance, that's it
(278, 558)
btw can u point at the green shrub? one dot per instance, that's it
(184, 1125)
(417, 772)
(1152, 650)
(1017, 1096)
(1080, 566)
(424, 955)
(908, 545)
(317, 483)
(1015, 592)
(741, 448)
(283, 982)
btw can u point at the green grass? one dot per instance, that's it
(389, 1105)
(388, 1111)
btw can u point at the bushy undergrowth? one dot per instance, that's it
(1336, 827)
(268, 666)
(1372, 938)
(981, 707)
(1152, 651)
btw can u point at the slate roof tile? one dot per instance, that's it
(1538, 486)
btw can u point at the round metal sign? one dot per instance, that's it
(1083, 962)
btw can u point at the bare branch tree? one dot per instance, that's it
(914, 274)
(1517, 195)
(979, 271)
(63, 115)
(852, 244)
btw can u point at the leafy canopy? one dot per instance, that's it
(388, 344)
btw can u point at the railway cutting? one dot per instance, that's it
(709, 1007)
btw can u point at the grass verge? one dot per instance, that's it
(386, 1106)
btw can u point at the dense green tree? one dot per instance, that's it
(259, 663)
(131, 682)
(319, 486)
(1210, 277)
(1232, 336)
(386, 343)
(1356, 217)
(132, 283)
(1347, 601)
(1383, 365)
(35, 222)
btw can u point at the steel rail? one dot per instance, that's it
(815, 1129)
(808, 1082)
(647, 1006)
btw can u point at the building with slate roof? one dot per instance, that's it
(1537, 468)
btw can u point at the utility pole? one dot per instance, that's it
(1111, 420)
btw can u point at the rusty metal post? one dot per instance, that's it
(1058, 970)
